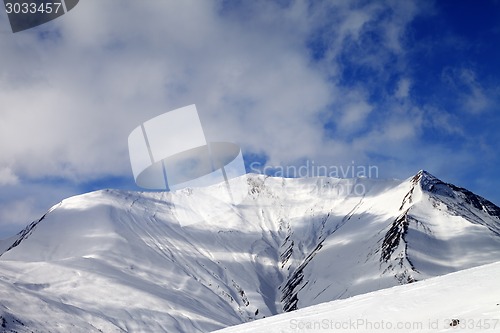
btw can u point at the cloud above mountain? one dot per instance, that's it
(333, 82)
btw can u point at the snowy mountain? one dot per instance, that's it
(116, 261)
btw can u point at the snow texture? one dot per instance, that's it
(115, 261)
(465, 301)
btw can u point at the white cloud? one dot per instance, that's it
(8, 177)
(69, 101)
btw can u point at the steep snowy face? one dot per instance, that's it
(115, 260)
(417, 229)
(442, 228)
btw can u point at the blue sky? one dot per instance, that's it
(403, 85)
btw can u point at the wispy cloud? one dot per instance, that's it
(403, 88)
(470, 92)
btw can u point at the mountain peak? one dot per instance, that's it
(435, 186)
(424, 174)
(427, 181)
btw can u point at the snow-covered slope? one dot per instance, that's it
(465, 301)
(121, 261)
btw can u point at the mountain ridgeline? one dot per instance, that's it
(120, 261)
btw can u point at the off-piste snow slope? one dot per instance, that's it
(464, 301)
(116, 261)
